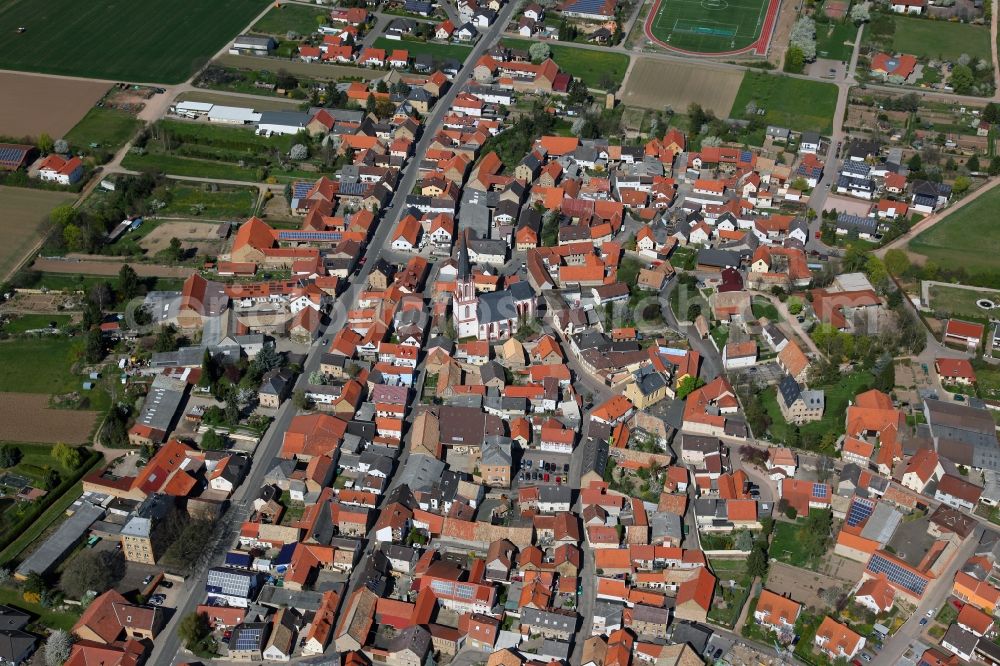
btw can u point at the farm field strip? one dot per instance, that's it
(152, 41)
(24, 212)
(26, 417)
(45, 105)
(967, 237)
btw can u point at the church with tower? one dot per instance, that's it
(491, 316)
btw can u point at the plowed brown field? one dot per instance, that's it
(26, 417)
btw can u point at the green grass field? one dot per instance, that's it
(835, 40)
(182, 166)
(962, 302)
(151, 41)
(967, 237)
(38, 365)
(30, 322)
(709, 26)
(764, 308)
(941, 39)
(798, 104)
(226, 203)
(290, 18)
(108, 128)
(440, 52)
(597, 69)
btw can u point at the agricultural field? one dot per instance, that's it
(798, 104)
(109, 129)
(966, 237)
(597, 69)
(161, 42)
(283, 19)
(958, 302)
(708, 26)
(39, 365)
(652, 85)
(941, 39)
(440, 52)
(24, 213)
(44, 105)
(27, 417)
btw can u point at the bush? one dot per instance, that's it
(791, 513)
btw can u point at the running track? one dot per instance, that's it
(759, 47)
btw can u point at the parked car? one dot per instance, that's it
(166, 584)
(147, 580)
(157, 599)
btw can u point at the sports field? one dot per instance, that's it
(712, 26)
(153, 41)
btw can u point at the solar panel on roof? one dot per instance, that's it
(897, 574)
(746, 156)
(249, 639)
(819, 490)
(860, 511)
(301, 189)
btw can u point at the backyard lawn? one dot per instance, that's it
(764, 308)
(835, 40)
(38, 365)
(597, 69)
(790, 542)
(30, 322)
(732, 592)
(966, 237)
(837, 398)
(798, 104)
(440, 52)
(290, 18)
(941, 39)
(45, 617)
(109, 129)
(224, 203)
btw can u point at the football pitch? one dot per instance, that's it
(711, 26)
(142, 41)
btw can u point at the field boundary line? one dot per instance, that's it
(758, 47)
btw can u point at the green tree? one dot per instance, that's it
(961, 185)
(166, 339)
(45, 143)
(896, 262)
(915, 163)
(687, 385)
(795, 305)
(174, 251)
(193, 629)
(63, 215)
(93, 350)
(791, 513)
(68, 456)
(995, 166)
(795, 60)
(212, 441)
(10, 455)
(962, 79)
(232, 409)
(128, 282)
(92, 571)
(973, 164)
(757, 563)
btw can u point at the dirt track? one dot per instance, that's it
(26, 417)
(109, 267)
(44, 104)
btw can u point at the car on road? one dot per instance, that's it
(930, 613)
(959, 397)
(923, 621)
(166, 584)
(866, 656)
